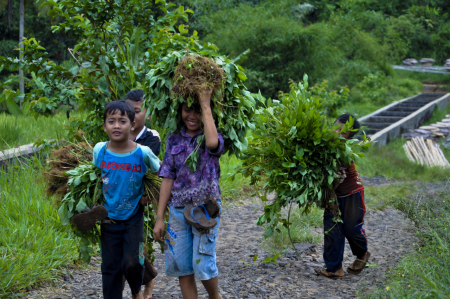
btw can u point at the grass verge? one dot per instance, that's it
(425, 272)
(301, 231)
(391, 162)
(33, 243)
(20, 130)
(233, 189)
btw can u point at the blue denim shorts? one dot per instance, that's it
(188, 251)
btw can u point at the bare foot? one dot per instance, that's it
(137, 296)
(148, 290)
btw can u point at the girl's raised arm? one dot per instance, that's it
(211, 136)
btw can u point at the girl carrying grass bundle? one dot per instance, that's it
(193, 196)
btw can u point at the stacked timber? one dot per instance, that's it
(434, 132)
(422, 146)
(425, 152)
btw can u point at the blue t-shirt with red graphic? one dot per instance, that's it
(122, 176)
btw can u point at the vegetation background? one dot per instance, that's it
(338, 43)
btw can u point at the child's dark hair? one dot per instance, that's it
(122, 106)
(344, 118)
(136, 95)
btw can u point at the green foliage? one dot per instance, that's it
(117, 44)
(7, 48)
(9, 131)
(20, 130)
(232, 189)
(280, 46)
(332, 101)
(232, 108)
(424, 272)
(85, 191)
(294, 145)
(301, 230)
(34, 245)
(377, 90)
(391, 162)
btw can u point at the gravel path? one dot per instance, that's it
(240, 239)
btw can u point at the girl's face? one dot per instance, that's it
(192, 119)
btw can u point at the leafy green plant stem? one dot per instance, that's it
(289, 230)
(192, 159)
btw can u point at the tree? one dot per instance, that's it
(22, 21)
(117, 44)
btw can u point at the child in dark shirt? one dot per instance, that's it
(150, 138)
(350, 197)
(141, 134)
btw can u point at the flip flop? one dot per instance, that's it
(358, 265)
(213, 208)
(198, 217)
(86, 221)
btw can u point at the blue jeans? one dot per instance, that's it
(122, 250)
(188, 251)
(352, 210)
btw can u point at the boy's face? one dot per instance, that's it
(139, 116)
(117, 126)
(346, 135)
(191, 118)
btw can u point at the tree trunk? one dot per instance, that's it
(22, 21)
(9, 16)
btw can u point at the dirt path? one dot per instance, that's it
(239, 239)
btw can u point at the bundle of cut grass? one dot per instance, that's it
(62, 160)
(181, 74)
(196, 73)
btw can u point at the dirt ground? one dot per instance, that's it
(389, 233)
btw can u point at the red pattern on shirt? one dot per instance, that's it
(351, 182)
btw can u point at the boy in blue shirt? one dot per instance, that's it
(123, 164)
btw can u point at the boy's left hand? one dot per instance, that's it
(145, 201)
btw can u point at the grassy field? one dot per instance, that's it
(34, 246)
(391, 161)
(430, 78)
(424, 272)
(20, 130)
(302, 231)
(375, 92)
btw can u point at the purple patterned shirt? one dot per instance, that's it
(191, 188)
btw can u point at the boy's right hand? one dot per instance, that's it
(158, 231)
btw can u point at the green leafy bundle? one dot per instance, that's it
(232, 105)
(72, 175)
(85, 190)
(295, 148)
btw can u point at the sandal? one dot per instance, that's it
(213, 208)
(87, 220)
(333, 275)
(359, 264)
(199, 218)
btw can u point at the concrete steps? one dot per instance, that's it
(389, 122)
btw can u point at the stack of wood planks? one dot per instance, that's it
(425, 152)
(435, 131)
